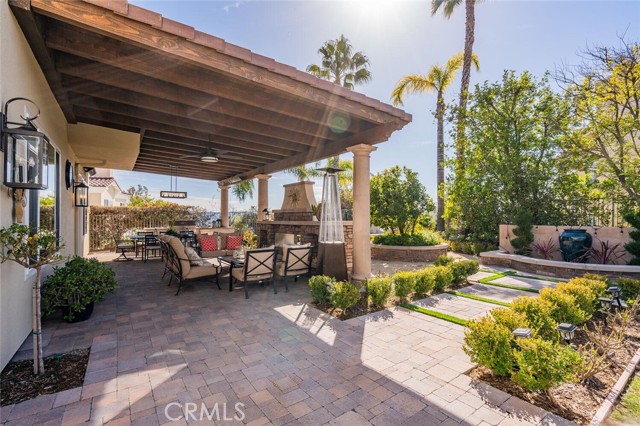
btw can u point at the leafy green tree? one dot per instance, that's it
(139, 196)
(515, 128)
(469, 37)
(341, 64)
(438, 79)
(398, 199)
(604, 92)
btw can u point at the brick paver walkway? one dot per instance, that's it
(272, 359)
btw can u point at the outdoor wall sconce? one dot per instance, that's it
(522, 333)
(567, 331)
(81, 195)
(25, 151)
(265, 214)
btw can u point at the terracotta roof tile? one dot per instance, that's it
(101, 182)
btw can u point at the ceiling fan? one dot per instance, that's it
(210, 155)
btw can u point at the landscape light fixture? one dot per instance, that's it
(615, 294)
(25, 150)
(173, 193)
(522, 333)
(605, 303)
(567, 331)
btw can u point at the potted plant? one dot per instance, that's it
(31, 249)
(75, 287)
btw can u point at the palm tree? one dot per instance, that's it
(242, 190)
(341, 65)
(438, 80)
(304, 173)
(448, 7)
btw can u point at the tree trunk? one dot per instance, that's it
(440, 159)
(38, 361)
(466, 76)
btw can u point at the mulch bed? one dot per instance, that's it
(575, 401)
(62, 372)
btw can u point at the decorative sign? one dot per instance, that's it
(173, 194)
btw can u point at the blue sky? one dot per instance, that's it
(399, 37)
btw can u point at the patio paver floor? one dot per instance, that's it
(154, 353)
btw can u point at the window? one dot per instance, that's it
(106, 203)
(44, 205)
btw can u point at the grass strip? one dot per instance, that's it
(513, 287)
(435, 314)
(478, 298)
(629, 407)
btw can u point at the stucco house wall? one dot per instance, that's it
(20, 76)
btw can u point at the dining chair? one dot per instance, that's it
(139, 245)
(151, 244)
(259, 266)
(297, 262)
(123, 247)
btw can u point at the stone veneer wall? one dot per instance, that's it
(408, 254)
(309, 230)
(296, 216)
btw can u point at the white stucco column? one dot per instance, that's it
(224, 204)
(263, 194)
(361, 211)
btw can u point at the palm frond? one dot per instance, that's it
(413, 83)
(242, 190)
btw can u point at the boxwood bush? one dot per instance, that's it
(425, 280)
(538, 315)
(319, 285)
(629, 289)
(379, 290)
(489, 343)
(442, 277)
(404, 283)
(426, 239)
(461, 269)
(343, 295)
(563, 306)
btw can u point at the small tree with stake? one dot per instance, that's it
(31, 249)
(633, 247)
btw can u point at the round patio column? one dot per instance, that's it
(361, 211)
(224, 204)
(263, 195)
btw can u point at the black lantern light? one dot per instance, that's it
(522, 333)
(567, 331)
(615, 291)
(25, 151)
(81, 195)
(265, 214)
(605, 303)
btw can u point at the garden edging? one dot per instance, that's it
(554, 267)
(408, 253)
(607, 405)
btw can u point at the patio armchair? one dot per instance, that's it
(123, 247)
(181, 268)
(259, 266)
(297, 262)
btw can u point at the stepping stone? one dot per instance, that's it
(536, 284)
(495, 293)
(459, 307)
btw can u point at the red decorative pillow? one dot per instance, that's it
(234, 242)
(208, 243)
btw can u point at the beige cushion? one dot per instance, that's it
(238, 274)
(177, 246)
(193, 257)
(201, 271)
(286, 248)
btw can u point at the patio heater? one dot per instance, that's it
(332, 257)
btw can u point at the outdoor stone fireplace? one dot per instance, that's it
(296, 217)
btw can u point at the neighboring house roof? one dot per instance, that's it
(104, 182)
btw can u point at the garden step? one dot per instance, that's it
(500, 294)
(460, 307)
(532, 283)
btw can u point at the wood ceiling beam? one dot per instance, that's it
(111, 81)
(151, 167)
(94, 18)
(193, 166)
(220, 142)
(32, 28)
(178, 157)
(182, 150)
(224, 125)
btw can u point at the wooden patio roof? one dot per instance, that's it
(114, 64)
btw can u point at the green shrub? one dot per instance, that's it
(490, 344)
(597, 277)
(79, 282)
(404, 283)
(442, 277)
(633, 247)
(320, 288)
(406, 239)
(542, 364)
(629, 288)
(598, 287)
(509, 318)
(343, 295)
(379, 290)
(425, 280)
(584, 295)
(462, 269)
(444, 260)
(565, 307)
(523, 231)
(538, 314)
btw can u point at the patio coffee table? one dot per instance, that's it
(233, 263)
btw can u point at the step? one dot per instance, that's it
(459, 307)
(500, 294)
(532, 283)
